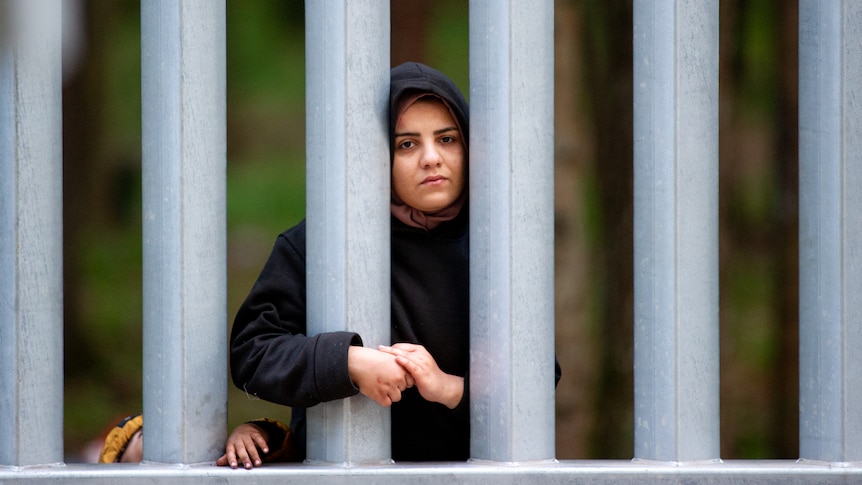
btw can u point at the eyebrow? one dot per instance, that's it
(436, 132)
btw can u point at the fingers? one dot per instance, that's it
(260, 443)
(423, 372)
(411, 366)
(229, 457)
(412, 361)
(251, 458)
(382, 399)
(416, 353)
(378, 375)
(390, 350)
(406, 347)
(243, 451)
(388, 395)
(399, 349)
(385, 395)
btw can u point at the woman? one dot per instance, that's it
(422, 374)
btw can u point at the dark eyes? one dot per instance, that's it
(408, 144)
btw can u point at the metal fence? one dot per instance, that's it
(511, 89)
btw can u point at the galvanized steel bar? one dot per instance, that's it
(31, 246)
(512, 230)
(676, 230)
(830, 230)
(184, 229)
(617, 472)
(347, 93)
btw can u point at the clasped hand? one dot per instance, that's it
(385, 373)
(377, 375)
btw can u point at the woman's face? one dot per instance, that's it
(428, 161)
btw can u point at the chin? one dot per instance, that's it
(434, 204)
(434, 207)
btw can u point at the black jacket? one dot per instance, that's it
(272, 358)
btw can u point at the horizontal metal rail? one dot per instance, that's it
(548, 473)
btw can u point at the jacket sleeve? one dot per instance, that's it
(271, 357)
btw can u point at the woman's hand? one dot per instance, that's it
(377, 375)
(242, 446)
(433, 384)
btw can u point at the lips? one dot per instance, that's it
(433, 180)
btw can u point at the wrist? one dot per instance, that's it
(356, 363)
(456, 394)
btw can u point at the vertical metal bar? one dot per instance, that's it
(31, 246)
(830, 230)
(184, 153)
(512, 230)
(347, 93)
(676, 230)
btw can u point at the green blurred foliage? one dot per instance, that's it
(265, 195)
(265, 190)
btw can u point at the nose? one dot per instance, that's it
(431, 156)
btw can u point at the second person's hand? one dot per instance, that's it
(242, 446)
